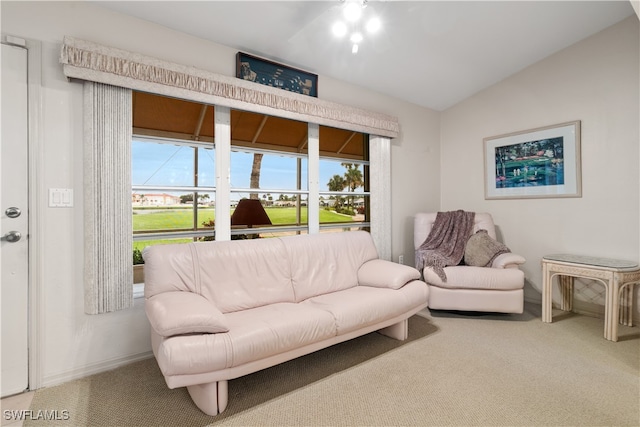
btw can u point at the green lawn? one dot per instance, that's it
(176, 219)
(183, 218)
(169, 219)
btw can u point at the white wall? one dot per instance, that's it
(74, 344)
(595, 81)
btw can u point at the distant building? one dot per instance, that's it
(154, 199)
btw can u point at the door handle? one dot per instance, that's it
(12, 236)
(13, 212)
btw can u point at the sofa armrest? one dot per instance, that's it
(178, 312)
(386, 274)
(508, 260)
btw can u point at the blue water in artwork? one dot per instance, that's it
(530, 164)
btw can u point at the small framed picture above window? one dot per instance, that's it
(263, 71)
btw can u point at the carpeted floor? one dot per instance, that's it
(455, 369)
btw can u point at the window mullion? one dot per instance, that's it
(313, 176)
(223, 172)
(195, 184)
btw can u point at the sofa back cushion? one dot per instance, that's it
(169, 268)
(242, 274)
(423, 222)
(327, 262)
(234, 275)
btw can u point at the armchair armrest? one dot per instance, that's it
(177, 312)
(508, 260)
(380, 273)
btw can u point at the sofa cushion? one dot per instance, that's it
(175, 313)
(481, 249)
(169, 268)
(361, 306)
(381, 273)
(327, 262)
(469, 277)
(241, 274)
(254, 334)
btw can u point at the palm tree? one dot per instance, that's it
(337, 183)
(353, 178)
(255, 174)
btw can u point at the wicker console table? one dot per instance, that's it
(617, 276)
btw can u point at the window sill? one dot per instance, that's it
(138, 290)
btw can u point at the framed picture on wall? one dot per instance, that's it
(535, 163)
(276, 75)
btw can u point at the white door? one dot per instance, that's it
(14, 246)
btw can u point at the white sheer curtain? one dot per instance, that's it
(107, 195)
(380, 183)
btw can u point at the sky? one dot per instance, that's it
(173, 165)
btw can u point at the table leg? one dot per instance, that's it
(626, 304)
(546, 293)
(612, 308)
(566, 289)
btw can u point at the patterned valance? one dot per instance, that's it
(92, 62)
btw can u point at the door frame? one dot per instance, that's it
(36, 186)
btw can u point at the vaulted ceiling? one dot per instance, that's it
(431, 53)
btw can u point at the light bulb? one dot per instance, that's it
(354, 49)
(373, 25)
(352, 11)
(339, 29)
(356, 38)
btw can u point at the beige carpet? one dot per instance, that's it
(455, 369)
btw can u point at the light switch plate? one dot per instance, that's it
(60, 197)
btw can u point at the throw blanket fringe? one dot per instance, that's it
(444, 246)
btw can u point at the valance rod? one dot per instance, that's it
(92, 62)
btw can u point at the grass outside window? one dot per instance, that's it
(182, 219)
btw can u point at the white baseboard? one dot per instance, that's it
(95, 368)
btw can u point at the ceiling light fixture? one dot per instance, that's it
(339, 29)
(373, 25)
(353, 12)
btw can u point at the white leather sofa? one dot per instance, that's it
(221, 310)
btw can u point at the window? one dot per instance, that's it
(343, 195)
(279, 181)
(174, 174)
(269, 163)
(151, 117)
(173, 191)
(344, 179)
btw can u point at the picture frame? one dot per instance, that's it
(263, 71)
(536, 163)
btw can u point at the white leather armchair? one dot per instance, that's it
(495, 288)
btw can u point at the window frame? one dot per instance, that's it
(222, 146)
(195, 189)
